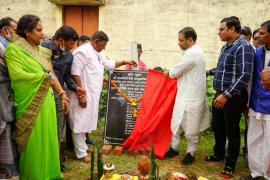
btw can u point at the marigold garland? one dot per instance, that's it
(132, 101)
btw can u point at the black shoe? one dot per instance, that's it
(213, 158)
(188, 159)
(171, 153)
(249, 177)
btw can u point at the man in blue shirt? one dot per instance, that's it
(62, 43)
(232, 74)
(259, 112)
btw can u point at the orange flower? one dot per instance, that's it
(132, 101)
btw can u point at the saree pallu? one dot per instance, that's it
(39, 157)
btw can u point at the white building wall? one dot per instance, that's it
(154, 23)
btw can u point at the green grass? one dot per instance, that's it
(75, 170)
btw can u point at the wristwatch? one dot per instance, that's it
(227, 94)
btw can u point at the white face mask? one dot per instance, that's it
(62, 48)
(8, 36)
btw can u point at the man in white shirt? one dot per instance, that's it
(190, 112)
(87, 70)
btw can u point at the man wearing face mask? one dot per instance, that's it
(87, 70)
(61, 45)
(7, 147)
(7, 29)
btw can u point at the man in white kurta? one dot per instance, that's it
(87, 70)
(190, 113)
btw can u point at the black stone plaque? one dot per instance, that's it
(119, 118)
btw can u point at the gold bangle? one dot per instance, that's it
(61, 92)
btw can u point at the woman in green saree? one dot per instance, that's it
(32, 80)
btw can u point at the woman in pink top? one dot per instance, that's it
(142, 66)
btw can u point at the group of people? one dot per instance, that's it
(42, 80)
(34, 74)
(241, 81)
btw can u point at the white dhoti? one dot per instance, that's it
(258, 146)
(190, 112)
(80, 146)
(192, 140)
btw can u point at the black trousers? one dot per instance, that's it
(69, 141)
(225, 125)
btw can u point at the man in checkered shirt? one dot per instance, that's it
(232, 74)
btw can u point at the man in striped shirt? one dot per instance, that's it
(232, 74)
(7, 150)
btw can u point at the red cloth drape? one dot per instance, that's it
(153, 124)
